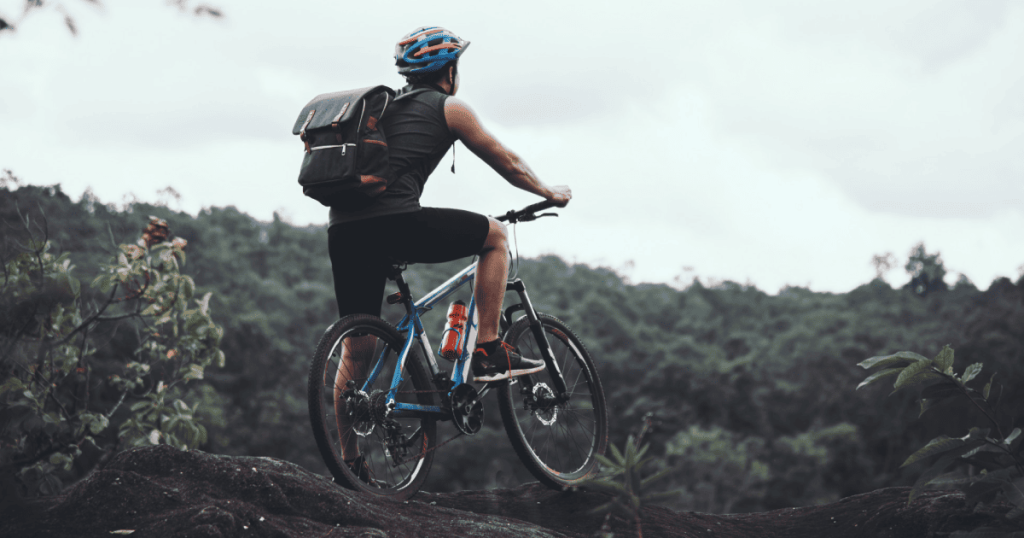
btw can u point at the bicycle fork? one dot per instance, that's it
(537, 329)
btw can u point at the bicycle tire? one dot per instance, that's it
(558, 444)
(382, 475)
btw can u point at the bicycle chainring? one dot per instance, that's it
(467, 409)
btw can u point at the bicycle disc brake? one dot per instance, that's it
(467, 409)
(543, 404)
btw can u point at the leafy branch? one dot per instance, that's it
(49, 339)
(998, 456)
(30, 6)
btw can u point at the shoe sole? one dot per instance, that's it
(505, 375)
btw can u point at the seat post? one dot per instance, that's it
(404, 295)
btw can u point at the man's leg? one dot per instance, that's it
(435, 235)
(491, 276)
(359, 288)
(355, 357)
(492, 359)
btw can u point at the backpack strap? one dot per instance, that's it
(405, 93)
(302, 132)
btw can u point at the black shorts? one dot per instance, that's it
(362, 251)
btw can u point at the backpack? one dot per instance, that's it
(346, 155)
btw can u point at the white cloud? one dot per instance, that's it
(780, 143)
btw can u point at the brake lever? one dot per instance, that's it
(528, 218)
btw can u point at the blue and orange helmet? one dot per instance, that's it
(427, 49)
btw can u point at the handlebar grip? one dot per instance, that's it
(539, 206)
(516, 216)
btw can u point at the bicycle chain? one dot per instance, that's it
(437, 446)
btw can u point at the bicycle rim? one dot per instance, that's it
(394, 453)
(558, 442)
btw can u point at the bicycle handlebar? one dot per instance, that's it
(529, 212)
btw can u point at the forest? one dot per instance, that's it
(753, 394)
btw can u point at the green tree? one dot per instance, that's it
(926, 271)
(64, 388)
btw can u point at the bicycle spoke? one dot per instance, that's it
(571, 436)
(580, 449)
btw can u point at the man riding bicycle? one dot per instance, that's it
(421, 125)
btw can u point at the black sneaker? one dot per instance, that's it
(501, 363)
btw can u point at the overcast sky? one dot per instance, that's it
(773, 143)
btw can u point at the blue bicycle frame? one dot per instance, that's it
(412, 328)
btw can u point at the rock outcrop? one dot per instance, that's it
(164, 492)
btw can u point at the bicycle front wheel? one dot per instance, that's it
(558, 439)
(364, 447)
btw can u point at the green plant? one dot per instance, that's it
(622, 478)
(988, 447)
(63, 386)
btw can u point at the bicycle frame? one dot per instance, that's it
(411, 327)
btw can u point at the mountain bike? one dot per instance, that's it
(376, 392)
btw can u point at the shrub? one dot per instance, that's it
(71, 360)
(622, 477)
(987, 447)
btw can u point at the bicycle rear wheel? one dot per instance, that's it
(557, 440)
(392, 456)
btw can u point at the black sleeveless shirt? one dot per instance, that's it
(418, 137)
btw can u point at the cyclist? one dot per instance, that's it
(421, 124)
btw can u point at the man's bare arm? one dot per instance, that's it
(465, 125)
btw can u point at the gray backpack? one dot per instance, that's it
(346, 153)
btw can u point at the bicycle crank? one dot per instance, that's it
(467, 409)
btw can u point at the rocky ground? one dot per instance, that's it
(164, 492)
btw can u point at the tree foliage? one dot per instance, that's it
(754, 391)
(926, 271)
(70, 359)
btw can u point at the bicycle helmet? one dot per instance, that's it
(428, 49)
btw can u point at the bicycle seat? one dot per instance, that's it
(396, 267)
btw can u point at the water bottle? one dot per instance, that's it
(454, 336)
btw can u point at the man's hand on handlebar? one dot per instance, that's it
(560, 195)
(530, 212)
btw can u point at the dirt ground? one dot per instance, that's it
(164, 492)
